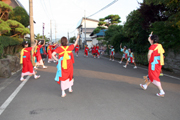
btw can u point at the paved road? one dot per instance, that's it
(103, 90)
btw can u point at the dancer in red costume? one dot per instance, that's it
(25, 60)
(54, 46)
(156, 60)
(77, 50)
(94, 51)
(49, 51)
(64, 75)
(38, 55)
(86, 50)
(97, 51)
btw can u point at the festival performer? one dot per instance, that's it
(25, 60)
(86, 49)
(156, 60)
(94, 51)
(97, 51)
(49, 52)
(125, 53)
(112, 52)
(54, 46)
(77, 50)
(38, 55)
(131, 59)
(43, 53)
(64, 75)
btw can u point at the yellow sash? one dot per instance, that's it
(65, 57)
(35, 50)
(160, 51)
(48, 48)
(22, 53)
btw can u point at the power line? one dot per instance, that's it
(44, 9)
(104, 8)
(51, 9)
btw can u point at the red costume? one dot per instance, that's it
(49, 51)
(86, 51)
(26, 61)
(155, 62)
(97, 50)
(94, 49)
(77, 49)
(67, 72)
(37, 53)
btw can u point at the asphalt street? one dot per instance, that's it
(103, 90)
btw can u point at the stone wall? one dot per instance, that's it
(172, 61)
(9, 65)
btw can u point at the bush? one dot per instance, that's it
(9, 45)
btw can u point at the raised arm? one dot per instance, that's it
(120, 45)
(76, 42)
(34, 44)
(43, 43)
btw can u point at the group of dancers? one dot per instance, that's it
(65, 60)
(40, 51)
(127, 54)
(94, 50)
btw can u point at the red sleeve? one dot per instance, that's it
(152, 47)
(57, 50)
(39, 46)
(28, 49)
(71, 47)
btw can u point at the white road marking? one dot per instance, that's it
(12, 96)
(147, 70)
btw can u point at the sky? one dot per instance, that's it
(65, 14)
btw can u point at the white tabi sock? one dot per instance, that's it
(145, 86)
(63, 92)
(162, 92)
(70, 88)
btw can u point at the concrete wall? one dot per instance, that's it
(172, 61)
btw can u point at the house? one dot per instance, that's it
(16, 3)
(13, 3)
(85, 28)
(94, 37)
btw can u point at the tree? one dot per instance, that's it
(152, 13)
(4, 10)
(173, 10)
(109, 20)
(71, 40)
(19, 14)
(17, 28)
(136, 34)
(4, 27)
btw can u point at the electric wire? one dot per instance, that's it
(104, 8)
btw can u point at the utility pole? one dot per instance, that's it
(68, 36)
(51, 30)
(43, 30)
(85, 25)
(31, 22)
(31, 28)
(55, 31)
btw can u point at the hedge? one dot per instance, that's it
(9, 45)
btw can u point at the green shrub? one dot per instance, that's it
(9, 45)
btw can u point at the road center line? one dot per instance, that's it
(12, 96)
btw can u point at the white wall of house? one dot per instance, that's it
(94, 41)
(90, 24)
(89, 43)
